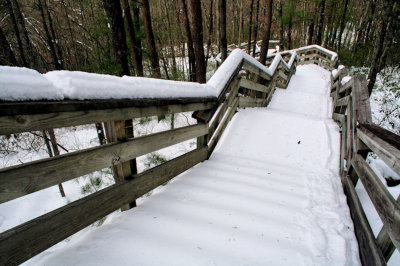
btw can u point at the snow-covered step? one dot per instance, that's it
(269, 195)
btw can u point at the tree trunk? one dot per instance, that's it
(250, 26)
(17, 34)
(54, 37)
(133, 40)
(267, 32)
(50, 41)
(376, 64)
(136, 26)
(256, 28)
(210, 32)
(342, 23)
(114, 13)
(321, 23)
(174, 68)
(198, 41)
(32, 62)
(223, 44)
(7, 56)
(281, 41)
(369, 22)
(189, 40)
(151, 44)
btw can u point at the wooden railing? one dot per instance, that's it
(359, 136)
(240, 81)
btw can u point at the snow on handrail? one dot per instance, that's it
(23, 84)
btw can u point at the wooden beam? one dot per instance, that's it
(383, 142)
(384, 241)
(348, 85)
(20, 180)
(251, 85)
(338, 117)
(252, 68)
(245, 102)
(26, 240)
(23, 122)
(386, 206)
(361, 105)
(370, 254)
(342, 101)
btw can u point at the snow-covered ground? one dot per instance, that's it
(269, 195)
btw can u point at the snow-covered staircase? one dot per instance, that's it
(267, 188)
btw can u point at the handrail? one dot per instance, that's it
(359, 137)
(241, 81)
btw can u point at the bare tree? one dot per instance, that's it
(321, 23)
(198, 41)
(135, 47)
(267, 33)
(151, 44)
(189, 41)
(223, 43)
(114, 13)
(7, 56)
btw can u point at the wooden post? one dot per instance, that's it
(120, 131)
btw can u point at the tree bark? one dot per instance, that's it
(17, 34)
(135, 47)
(223, 43)
(250, 26)
(342, 24)
(50, 40)
(7, 56)
(376, 63)
(189, 41)
(198, 41)
(54, 37)
(256, 28)
(114, 13)
(267, 33)
(210, 32)
(32, 62)
(151, 44)
(321, 23)
(281, 31)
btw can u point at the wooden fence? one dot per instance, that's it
(360, 136)
(249, 85)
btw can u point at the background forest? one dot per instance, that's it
(77, 35)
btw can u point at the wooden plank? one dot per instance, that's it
(30, 122)
(370, 254)
(20, 180)
(383, 142)
(245, 102)
(221, 111)
(26, 240)
(251, 85)
(338, 117)
(252, 68)
(361, 105)
(386, 206)
(346, 86)
(342, 101)
(218, 133)
(384, 241)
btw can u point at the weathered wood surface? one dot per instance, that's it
(383, 142)
(384, 241)
(24, 122)
(251, 85)
(23, 179)
(26, 240)
(370, 254)
(252, 68)
(361, 105)
(221, 127)
(245, 102)
(386, 206)
(347, 86)
(342, 101)
(338, 117)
